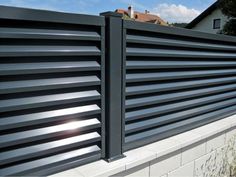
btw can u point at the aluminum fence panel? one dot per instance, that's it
(51, 91)
(176, 80)
(160, 81)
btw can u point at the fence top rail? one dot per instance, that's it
(16, 13)
(176, 31)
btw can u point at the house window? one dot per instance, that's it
(216, 24)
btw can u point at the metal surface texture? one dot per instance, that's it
(114, 86)
(51, 91)
(176, 80)
(78, 88)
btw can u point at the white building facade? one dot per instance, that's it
(212, 20)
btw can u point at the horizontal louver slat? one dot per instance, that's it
(176, 43)
(46, 84)
(177, 53)
(48, 34)
(42, 149)
(176, 75)
(142, 113)
(48, 116)
(47, 132)
(175, 81)
(82, 154)
(48, 100)
(148, 100)
(46, 67)
(150, 88)
(172, 117)
(51, 91)
(8, 51)
(177, 127)
(152, 64)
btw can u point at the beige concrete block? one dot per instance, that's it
(187, 138)
(140, 156)
(213, 128)
(217, 163)
(215, 142)
(139, 171)
(206, 131)
(184, 171)
(193, 152)
(102, 168)
(68, 173)
(224, 160)
(230, 146)
(230, 135)
(164, 147)
(232, 120)
(222, 125)
(204, 166)
(164, 165)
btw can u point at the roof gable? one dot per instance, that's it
(204, 14)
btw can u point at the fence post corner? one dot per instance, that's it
(113, 76)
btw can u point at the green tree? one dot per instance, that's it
(228, 8)
(126, 17)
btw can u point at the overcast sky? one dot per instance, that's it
(169, 10)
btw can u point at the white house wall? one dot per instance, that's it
(206, 25)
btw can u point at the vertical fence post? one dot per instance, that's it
(114, 75)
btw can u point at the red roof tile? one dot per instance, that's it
(144, 17)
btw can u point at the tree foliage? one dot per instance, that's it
(126, 17)
(228, 8)
(230, 27)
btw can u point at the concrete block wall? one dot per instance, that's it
(212, 157)
(207, 151)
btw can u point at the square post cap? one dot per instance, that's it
(111, 14)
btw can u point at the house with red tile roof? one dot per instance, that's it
(141, 16)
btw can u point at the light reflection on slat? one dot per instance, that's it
(47, 116)
(37, 134)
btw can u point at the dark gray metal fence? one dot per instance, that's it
(51, 91)
(70, 97)
(176, 80)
